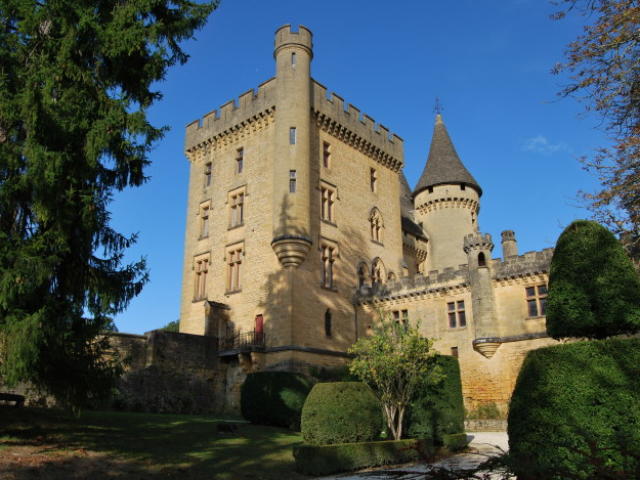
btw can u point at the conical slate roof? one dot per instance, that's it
(443, 164)
(406, 201)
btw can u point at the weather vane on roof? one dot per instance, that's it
(438, 108)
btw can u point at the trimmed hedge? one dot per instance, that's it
(274, 398)
(438, 410)
(327, 459)
(341, 412)
(575, 412)
(594, 289)
(455, 441)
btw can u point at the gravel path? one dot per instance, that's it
(483, 445)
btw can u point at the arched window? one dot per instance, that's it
(377, 225)
(327, 323)
(362, 274)
(391, 277)
(482, 261)
(378, 272)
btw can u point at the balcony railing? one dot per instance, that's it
(242, 342)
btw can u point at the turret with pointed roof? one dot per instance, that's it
(446, 202)
(443, 163)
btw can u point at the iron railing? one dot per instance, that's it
(244, 342)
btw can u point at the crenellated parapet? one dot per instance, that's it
(531, 263)
(441, 203)
(477, 242)
(448, 281)
(249, 108)
(349, 125)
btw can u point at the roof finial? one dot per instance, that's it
(438, 109)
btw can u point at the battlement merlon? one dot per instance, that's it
(285, 36)
(385, 145)
(250, 104)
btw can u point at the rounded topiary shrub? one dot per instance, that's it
(341, 412)
(438, 410)
(594, 289)
(575, 412)
(274, 398)
(158, 390)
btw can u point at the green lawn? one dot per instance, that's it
(137, 445)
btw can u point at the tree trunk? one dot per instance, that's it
(400, 419)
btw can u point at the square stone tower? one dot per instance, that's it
(293, 204)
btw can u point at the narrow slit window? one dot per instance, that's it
(292, 136)
(239, 160)
(373, 179)
(326, 154)
(293, 59)
(207, 174)
(327, 323)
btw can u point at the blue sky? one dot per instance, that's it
(488, 61)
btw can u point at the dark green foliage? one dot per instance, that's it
(594, 290)
(344, 457)
(341, 412)
(75, 86)
(575, 412)
(334, 374)
(438, 409)
(155, 390)
(455, 441)
(274, 398)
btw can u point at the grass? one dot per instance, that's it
(51, 444)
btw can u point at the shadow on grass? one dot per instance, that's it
(130, 445)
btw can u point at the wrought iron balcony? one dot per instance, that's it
(241, 343)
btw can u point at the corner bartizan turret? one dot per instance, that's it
(446, 200)
(292, 165)
(478, 248)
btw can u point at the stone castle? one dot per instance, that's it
(301, 228)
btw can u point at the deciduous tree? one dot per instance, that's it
(76, 81)
(395, 361)
(604, 64)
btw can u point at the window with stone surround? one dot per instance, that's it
(205, 209)
(207, 174)
(326, 154)
(236, 207)
(328, 200)
(292, 136)
(456, 314)
(401, 316)
(234, 257)
(373, 179)
(239, 160)
(292, 181)
(536, 300)
(376, 225)
(329, 253)
(201, 270)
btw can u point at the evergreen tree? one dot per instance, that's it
(75, 85)
(594, 290)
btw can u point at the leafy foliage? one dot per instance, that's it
(594, 291)
(173, 326)
(75, 86)
(604, 62)
(438, 408)
(395, 361)
(156, 390)
(341, 412)
(274, 398)
(575, 412)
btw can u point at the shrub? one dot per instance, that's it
(157, 390)
(341, 412)
(455, 441)
(594, 290)
(575, 412)
(438, 409)
(344, 457)
(274, 398)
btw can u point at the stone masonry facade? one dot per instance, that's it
(301, 229)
